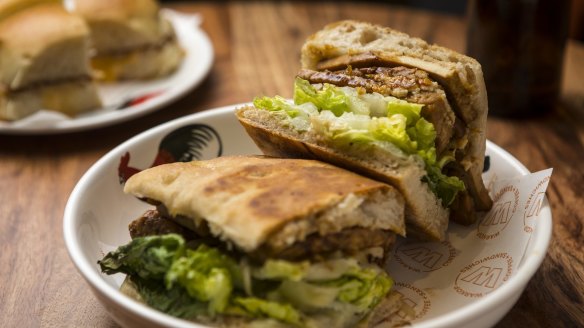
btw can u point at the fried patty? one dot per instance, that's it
(151, 223)
(348, 241)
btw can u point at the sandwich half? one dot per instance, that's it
(44, 62)
(252, 240)
(130, 39)
(389, 106)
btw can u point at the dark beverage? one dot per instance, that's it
(520, 45)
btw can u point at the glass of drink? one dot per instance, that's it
(520, 45)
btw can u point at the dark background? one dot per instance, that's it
(459, 7)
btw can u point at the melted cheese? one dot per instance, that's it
(110, 68)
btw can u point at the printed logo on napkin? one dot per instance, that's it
(484, 275)
(533, 205)
(505, 203)
(415, 298)
(423, 256)
(474, 260)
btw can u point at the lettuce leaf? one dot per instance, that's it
(331, 269)
(424, 134)
(306, 296)
(363, 288)
(175, 301)
(409, 110)
(393, 129)
(328, 98)
(442, 185)
(148, 257)
(281, 270)
(256, 307)
(275, 104)
(207, 275)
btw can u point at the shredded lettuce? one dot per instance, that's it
(306, 296)
(256, 307)
(424, 133)
(276, 103)
(207, 281)
(328, 98)
(409, 110)
(296, 115)
(374, 287)
(443, 185)
(331, 269)
(281, 270)
(349, 117)
(174, 301)
(393, 130)
(207, 275)
(362, 288)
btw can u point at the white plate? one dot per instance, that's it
(158, 93)
(98, 212)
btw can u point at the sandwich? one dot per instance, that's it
(43, 61)
(130, 39)
(260, 241)
(10, 7)
(389, 106)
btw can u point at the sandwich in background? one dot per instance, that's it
(10, 7)
(43, 61)
(130, 39)
(391, 107)
(249, 240)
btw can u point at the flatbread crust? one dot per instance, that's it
(245, 199)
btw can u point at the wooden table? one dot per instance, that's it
(257, 49)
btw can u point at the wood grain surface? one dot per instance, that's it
(257, 47)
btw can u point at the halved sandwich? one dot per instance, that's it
(251, 240)
(130, 39)
(44, 61)
(389, 106)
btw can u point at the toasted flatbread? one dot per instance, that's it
(247, 199)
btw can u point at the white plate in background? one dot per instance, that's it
(155, 93)
(98, 212)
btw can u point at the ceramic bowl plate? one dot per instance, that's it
(127, 100)
(98, 212)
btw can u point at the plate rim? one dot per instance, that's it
(512, 288)
(206, 52)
